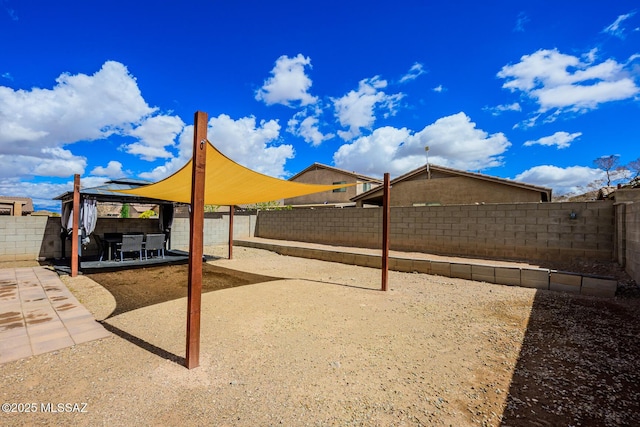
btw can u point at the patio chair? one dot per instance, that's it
(130, 243)
(154, 242)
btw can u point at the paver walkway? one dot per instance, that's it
(38, 314)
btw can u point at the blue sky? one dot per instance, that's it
(526, 90)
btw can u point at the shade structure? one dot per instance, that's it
(227, 183)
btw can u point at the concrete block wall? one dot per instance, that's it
(21, 237)
(38, 237)
(528, 231)
(632, 240)
(216, 229)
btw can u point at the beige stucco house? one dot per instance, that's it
(439, 185)
(15, 206)
(318, 173)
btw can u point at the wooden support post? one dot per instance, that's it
(196, 242)
(76, 225)
(385, 232)
(231, 210)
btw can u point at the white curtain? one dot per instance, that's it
(88, 218)
(89, 215)
(67, 218)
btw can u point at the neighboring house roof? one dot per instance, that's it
(27, 203)
(143, 207)
(111, 209)
(435, 168)
(342, 171)
(606, 193)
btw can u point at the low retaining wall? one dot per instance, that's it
(527, 277)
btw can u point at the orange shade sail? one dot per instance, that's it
(227, 183)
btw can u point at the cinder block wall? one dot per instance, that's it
(34, 237)
(516, 231)
(21, 237)
(531, 231)
(632, 237)
(216, 229)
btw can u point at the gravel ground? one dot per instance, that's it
(323, 346)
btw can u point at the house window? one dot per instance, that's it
(366, 187)
(340, 190)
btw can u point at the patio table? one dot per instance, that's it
(112, 240)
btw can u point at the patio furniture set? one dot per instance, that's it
(131, 243)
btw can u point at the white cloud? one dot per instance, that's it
(244, 141)
(562, 180)
(11, 12)
(357, 109)
(453, 141)
(251, 144)
(559, 82)
(559, 139)
(522, 19)
(288, 85)
(41, 193)
(185, 149)
(308, 128)
(112, 170)
(155, 134)
(37, 124)
(415, 71)
(439, 89)
(616, 28)
(47, 161)
(496, 111)
(377, 153)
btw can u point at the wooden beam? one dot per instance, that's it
(385, 232)
(76, 225)
(231, 210)
(194, 294)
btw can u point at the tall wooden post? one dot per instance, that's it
(385, 232)
(194, 294)
(76, 225)
(231, 210)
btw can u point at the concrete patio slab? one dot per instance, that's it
(38, 314)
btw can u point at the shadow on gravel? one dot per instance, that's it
(142, 287)
(578, 364)
(144, 344)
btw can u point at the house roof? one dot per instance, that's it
(606, 192)
(422, 170)
(27, 203)
(355, 175)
